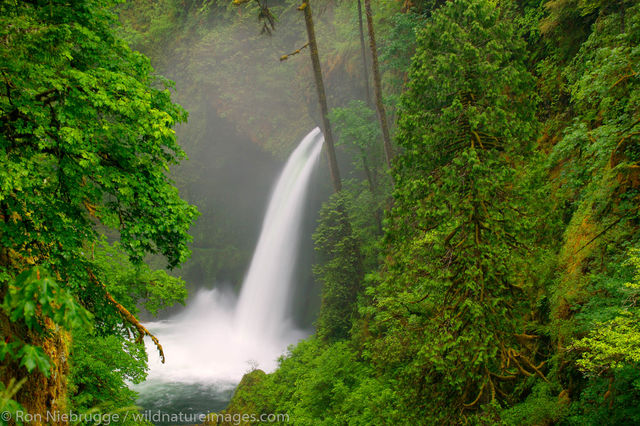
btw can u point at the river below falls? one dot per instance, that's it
(191, 399)
(207, 354)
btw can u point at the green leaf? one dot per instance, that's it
(32, 357)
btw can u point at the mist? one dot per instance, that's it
(247, 112)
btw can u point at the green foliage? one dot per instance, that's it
(605, 94)
(252, 396)
(328, 380)
(86, 144)
(34, 295)
(349, 228)
(105, 361)
(608, 400)
(615, 344)
(360, 136)
(319, 384)
(502, 295)
(367, 194)
(339, 269)
(398, 47)
(102, 369)
(33, 298)
(450, 301)
(81, 106)
(7, 393)
(542, 406)
(137, 285)
(597, 162)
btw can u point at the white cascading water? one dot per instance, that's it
(217, 338)
(265, 296)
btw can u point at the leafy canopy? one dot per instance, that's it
(86, 143)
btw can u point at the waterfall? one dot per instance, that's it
(218, 337)
(265, 297)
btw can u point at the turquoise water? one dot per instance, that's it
(162, 400)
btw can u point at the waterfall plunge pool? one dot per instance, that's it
(218, 338)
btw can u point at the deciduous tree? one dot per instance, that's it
(85, 143)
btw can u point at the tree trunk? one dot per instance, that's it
(322, 98)
(39, 395)
(377, 85)
(365, 67)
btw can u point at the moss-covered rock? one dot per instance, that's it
(248, 403)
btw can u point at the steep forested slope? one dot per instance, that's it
(505, 286)
(490, 275)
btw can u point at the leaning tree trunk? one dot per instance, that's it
(377, 85)
(322, 98)
(363, 52)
